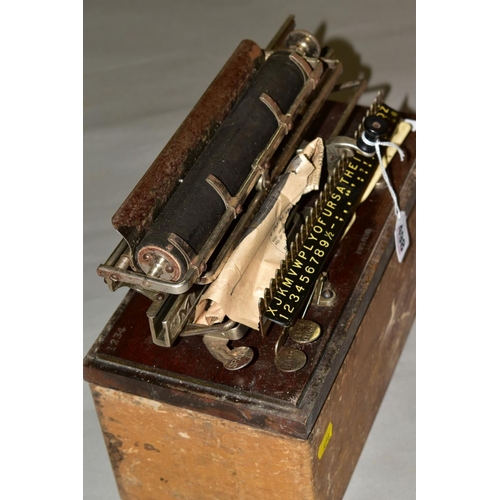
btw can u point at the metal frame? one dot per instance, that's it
(169, 317)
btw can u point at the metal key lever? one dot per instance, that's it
(288, 359)
(216, 339)
(232, 359)
(229, 330)
(303, 331)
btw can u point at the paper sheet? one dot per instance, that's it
(241, 283)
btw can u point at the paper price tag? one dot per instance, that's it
(401, 236)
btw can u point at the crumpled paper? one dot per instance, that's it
(242, 281)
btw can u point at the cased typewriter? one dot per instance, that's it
(232, 229)
(267, 308)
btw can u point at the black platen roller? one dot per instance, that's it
(195, 208)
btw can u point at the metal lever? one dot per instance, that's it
(216, 339)
(232, 359)
(230, 330)
(303, 331)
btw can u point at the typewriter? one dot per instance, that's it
(231, 229)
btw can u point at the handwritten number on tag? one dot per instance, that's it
(401, 236)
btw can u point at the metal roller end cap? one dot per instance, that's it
(303, 42)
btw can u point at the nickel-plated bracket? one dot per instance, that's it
(232, 359)
(282, 119)
(171, 317)
(230, 202)
(323, 295)
(341, 146)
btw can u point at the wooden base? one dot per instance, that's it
(163, 451)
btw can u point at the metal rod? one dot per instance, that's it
(347, 85)
(117, 253)
(280, 35)
(347, 112)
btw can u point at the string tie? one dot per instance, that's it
(377, 145)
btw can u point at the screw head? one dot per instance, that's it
(376, 125)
